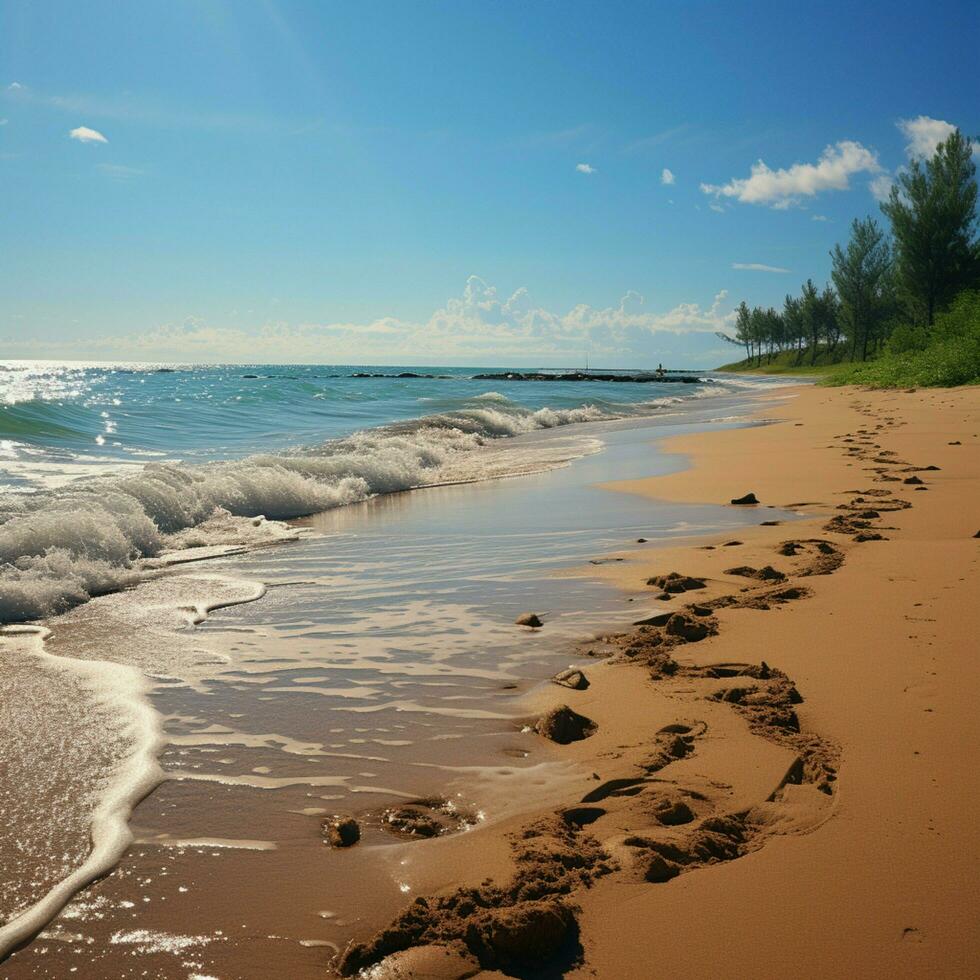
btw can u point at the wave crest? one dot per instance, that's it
(60, 547)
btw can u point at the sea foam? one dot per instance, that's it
(60, 547)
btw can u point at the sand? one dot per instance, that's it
(777, 771)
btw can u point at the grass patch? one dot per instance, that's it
(784, 362)
(941, 365)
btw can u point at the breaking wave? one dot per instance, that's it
(60, 547)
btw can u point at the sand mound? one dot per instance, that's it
(523, 925)
(562, 725)
(674, 582)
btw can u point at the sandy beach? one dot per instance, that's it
(761, 761)
(779, 779)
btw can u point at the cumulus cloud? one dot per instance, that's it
(786, 187)
(85, 135)
(757, 267)
(923, 134)
(667, 176)
(585, 168)
(881, 186)
(14, 87)
(480, 326)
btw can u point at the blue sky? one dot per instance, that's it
(449, 182)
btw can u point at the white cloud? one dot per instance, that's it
(3, 122)
(715, 206)
(85, 135)
(924, 134)
(585, 168)
(477, 327)
(667, 176)
(785, 187)
(14, 87)
(818, 217)
(881, 186)
(757, 267)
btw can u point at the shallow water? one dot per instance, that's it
(372, 660)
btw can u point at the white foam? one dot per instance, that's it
(62, 546)
(124, 688)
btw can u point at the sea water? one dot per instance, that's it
(361, 654)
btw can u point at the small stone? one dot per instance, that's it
(749, 498)
(573, 678)
(342, 831)
(529, 619)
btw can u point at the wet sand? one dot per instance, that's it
(813, 816)
(789, 789)
(373, 662)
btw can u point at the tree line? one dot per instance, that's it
(884, 281)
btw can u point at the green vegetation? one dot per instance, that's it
(904, 309)
(946, 355)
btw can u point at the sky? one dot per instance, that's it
(475, 183)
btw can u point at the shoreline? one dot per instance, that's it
(884, 790)
(591, 863)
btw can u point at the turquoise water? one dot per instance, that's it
(105, 466)
(134, 413)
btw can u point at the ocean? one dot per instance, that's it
(226, 620)
(103, 466)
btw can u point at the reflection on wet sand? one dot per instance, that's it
(373, 662)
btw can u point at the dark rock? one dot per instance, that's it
(641, 540)
(341, 831)
(912, 480)
(749, 498)
(562, 725)
(529, 619)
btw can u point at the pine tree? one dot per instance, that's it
(933, 211)
(861, 275)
